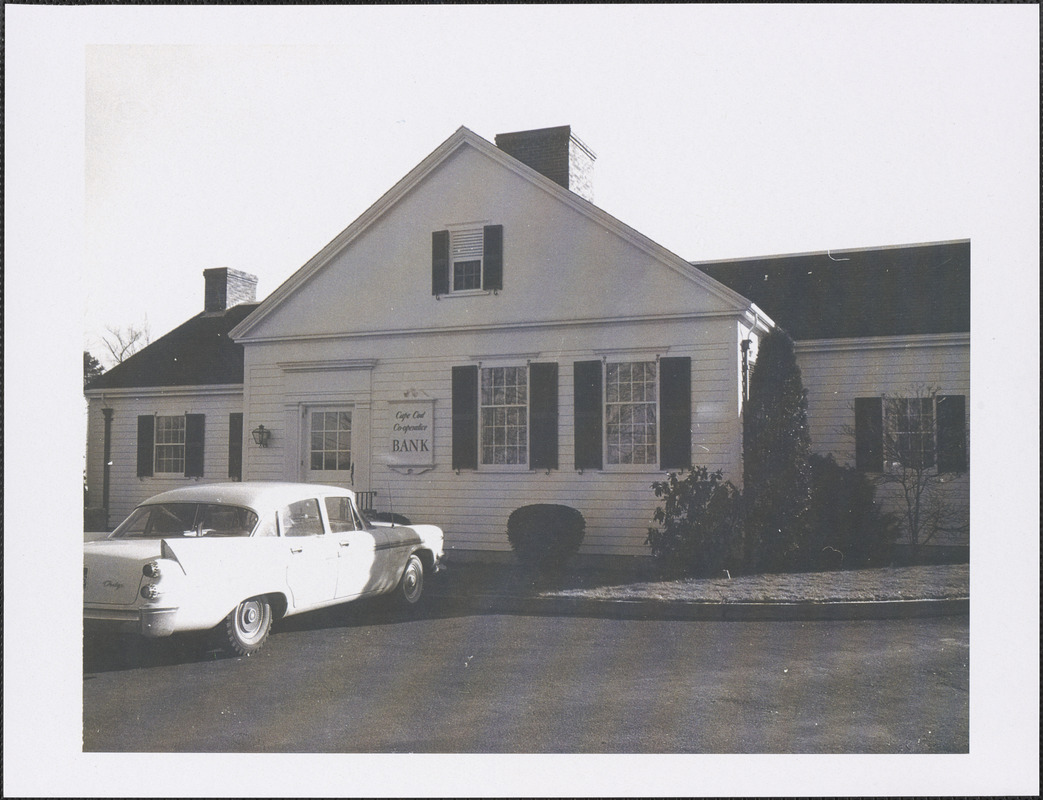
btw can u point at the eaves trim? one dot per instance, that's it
(212, 390)
(512, 326)
(883, 342)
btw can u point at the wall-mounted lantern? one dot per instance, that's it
(261, 435)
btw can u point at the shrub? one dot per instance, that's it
(776, 447)
(545, 535)
(701, 522)
(845, 525)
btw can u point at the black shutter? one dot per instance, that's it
(587, 410)
(952, 433)
(869, 434)
(194, 425)
(146, 443)
(675, 405)
(543, 416)
(440, 262)
(465, 417)
(235, 447)
(492, 258)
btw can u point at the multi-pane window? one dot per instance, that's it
(465, 249)
(912, 424)
(630, 412)
(170, 444)
(331, 440)
(504, 398)
(917, 433)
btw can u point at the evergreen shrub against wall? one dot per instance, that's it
(700, 523)
(776, 447)
(846, 527)
(544, 536)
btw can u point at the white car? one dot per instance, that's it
(235, 556)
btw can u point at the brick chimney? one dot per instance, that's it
(226, 288)
(555, 153)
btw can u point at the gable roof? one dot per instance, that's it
(463, 137)
(198, 352)
(884, 291)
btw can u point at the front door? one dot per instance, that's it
(328, 456)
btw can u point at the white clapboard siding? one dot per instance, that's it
(835, 373)
(126, 489)
(473, 506)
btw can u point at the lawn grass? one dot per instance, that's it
(933, 582)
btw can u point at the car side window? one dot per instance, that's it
(301, 519)
(338, 509)
(218, 520)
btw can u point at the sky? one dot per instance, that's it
(721, 132)
(146, 144)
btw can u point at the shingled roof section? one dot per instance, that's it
(196, 353)
(887, 291)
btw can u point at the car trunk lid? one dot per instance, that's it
(112, 569)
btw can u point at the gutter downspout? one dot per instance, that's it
(107, 465)
(744, 345)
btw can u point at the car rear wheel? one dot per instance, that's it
(248, 626)
(412, 584)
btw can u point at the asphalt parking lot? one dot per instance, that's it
(452, 678)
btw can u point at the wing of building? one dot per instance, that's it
(484, 337)
(173, 411)
(878, 331)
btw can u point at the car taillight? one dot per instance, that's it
(150, 591)
(151, 570)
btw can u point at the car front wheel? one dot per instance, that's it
(412, 584)
(248, 626)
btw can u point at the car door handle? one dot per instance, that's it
(296, 549)
(345, 544)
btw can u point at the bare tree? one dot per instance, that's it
(122, 343)
(914, 445)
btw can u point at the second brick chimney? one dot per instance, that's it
(226, 288)
(554, 152)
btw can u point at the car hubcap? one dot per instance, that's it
(249, 619)
(411, 581)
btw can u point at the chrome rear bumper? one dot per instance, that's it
(151, 622)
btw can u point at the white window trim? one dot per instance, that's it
(630, 356)
(889, 430)
(156, 444)
(466, 293)
(455, 230)
(508, 468)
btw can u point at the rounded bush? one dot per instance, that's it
(545, 535)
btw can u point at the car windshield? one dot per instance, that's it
(164, 520)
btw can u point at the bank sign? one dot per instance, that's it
(411, 441)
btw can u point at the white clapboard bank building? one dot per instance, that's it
(484, 337)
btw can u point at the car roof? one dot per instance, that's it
(255, 494)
